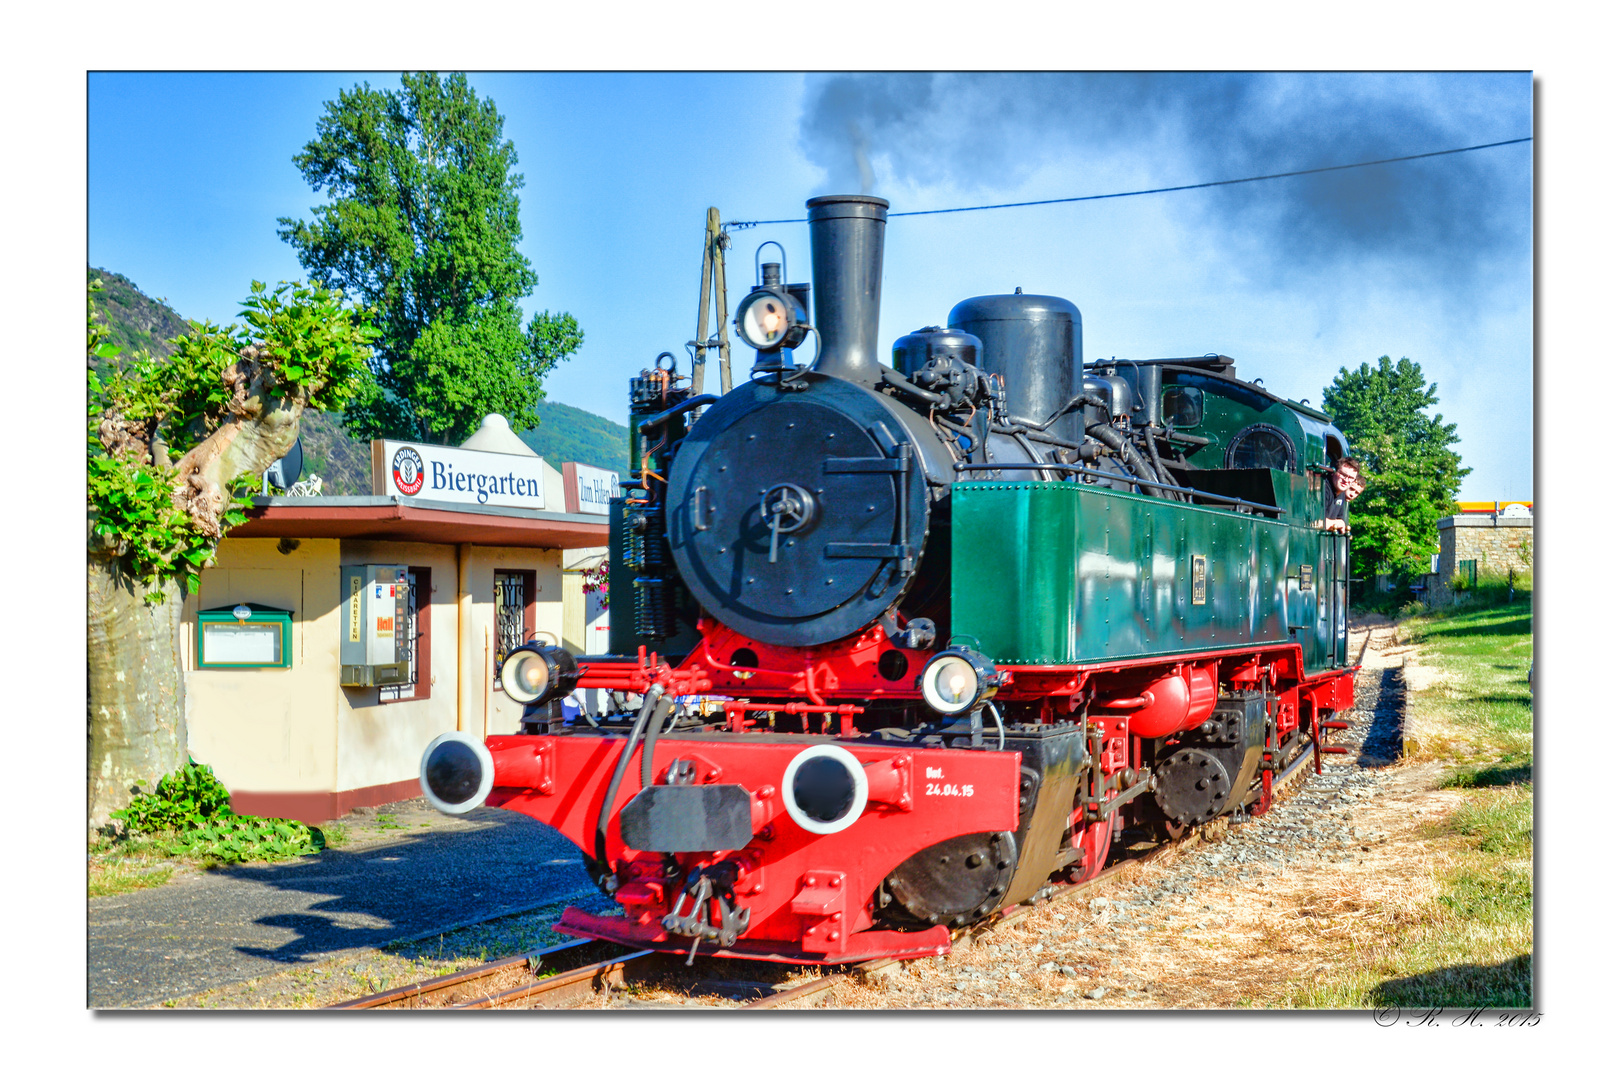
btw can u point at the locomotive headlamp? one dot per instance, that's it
(957, 681)
(536, 672)
(771, 318)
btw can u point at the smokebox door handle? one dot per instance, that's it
(701, 519)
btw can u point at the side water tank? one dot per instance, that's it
(1034, 344)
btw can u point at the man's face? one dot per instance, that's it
(1347, 481)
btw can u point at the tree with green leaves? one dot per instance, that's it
(423, 226)
(1411, 472)
(228, 402)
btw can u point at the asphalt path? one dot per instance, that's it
(412, 873)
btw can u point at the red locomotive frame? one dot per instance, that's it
(810, 897)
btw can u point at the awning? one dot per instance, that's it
(383, 517)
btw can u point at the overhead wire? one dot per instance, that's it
(1163, 190)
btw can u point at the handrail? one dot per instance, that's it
(967, 466)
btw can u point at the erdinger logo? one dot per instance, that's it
(408, 474)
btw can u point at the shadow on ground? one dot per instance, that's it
(1494, 986)
(1507, 774)
(245, 921)
(1385, 732)
(1507, 625)
(420, 884)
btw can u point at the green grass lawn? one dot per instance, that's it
(1471, 945)
(1488, 906)
(1486, 653)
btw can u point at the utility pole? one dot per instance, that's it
(715, 242)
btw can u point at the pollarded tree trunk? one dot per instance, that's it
(137, 681)
(137, 716)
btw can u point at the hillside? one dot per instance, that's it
(342, 462)
(136, 322)
(569, 434)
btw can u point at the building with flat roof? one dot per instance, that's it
(334, 638)
(1491, 538)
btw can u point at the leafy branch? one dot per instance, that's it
(228, 401)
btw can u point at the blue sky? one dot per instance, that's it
(1294, 278)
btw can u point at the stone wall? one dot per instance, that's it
(1498, 542)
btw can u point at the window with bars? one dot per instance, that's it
(514, 613)
(418, 635)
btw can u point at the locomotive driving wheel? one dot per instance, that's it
(1093, 839)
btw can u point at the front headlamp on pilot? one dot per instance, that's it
(458, 771)
(536, 673)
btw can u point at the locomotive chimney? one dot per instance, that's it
(846, 254)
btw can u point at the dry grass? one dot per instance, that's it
(1277, 939)
(310, 986)
(114, 867)
(1416, 917)
(112, 877)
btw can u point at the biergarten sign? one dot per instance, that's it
(452, 474)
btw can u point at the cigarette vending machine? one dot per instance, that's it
(376, 617)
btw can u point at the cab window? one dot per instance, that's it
(1183, 406)
(1261, 446)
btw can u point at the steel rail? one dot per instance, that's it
(481, 973)
(1011, 916)
(416, 990)
(1299, 762)
(580, 983)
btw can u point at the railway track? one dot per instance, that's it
(532, 981)
(578, 972)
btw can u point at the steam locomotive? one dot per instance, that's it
(897, 647)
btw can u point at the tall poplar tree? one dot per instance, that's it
(423, 227)
(1412, 473)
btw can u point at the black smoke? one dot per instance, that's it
(979, 135)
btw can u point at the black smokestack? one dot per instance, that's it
(846, 255)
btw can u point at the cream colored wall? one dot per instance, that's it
(485, 710)
(269, 729)
(575, 562)
(297, 729)
(382, 742)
